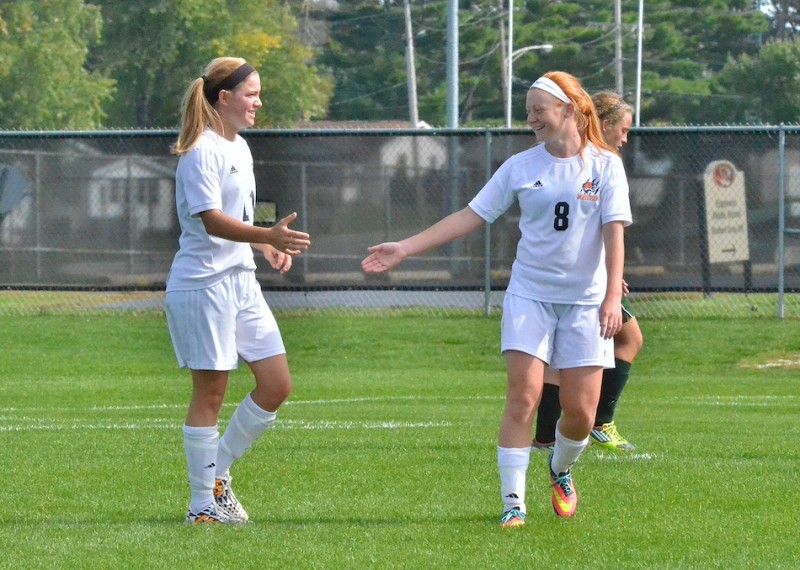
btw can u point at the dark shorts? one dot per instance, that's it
(627, 312)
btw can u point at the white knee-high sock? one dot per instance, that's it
(247, 423)
(200, 444)
(513, 465)
(566, 452)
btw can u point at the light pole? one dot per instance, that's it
(640, 39)
(512, 56)
(509, 57)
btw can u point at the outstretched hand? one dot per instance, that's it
(383, 257)
(288, 240)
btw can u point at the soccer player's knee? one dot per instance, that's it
(522, 406)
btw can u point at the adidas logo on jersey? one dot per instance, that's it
(538, 184)
(233, 170)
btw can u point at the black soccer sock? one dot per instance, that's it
(614, 380)
(548, 414)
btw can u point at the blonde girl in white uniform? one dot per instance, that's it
(215, 309)
(563, 302)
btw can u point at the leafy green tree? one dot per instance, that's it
(687, 42)
(44, 83)
(143, 49)
(582, 35)
(366, 50)
(784, 18)
(266, 34)
(763, 89)
(154, 48)
(365, 56)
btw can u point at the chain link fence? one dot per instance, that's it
(87, 220)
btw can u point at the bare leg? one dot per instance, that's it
(628, 341)
(580, 391)
(256, 413)
(273, 382)
(208, 393)
(525, 374)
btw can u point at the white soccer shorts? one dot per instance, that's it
(211, 329)
(563, 336)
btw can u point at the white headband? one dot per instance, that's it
(551, 87)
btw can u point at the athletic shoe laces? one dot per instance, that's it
(565, 482)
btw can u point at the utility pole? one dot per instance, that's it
(618, 45)
(455, 248)
(501, 30)
(640, 40)
(411, 70)
(509, 61)
(452, 64)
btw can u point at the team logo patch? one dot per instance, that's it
(590, 190)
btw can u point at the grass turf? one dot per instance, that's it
(385, 455)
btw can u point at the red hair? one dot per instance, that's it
(586, 114)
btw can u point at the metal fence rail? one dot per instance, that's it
(87, 219)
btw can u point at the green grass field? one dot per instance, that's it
(385, 455)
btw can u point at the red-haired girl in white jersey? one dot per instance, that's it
(563, 303)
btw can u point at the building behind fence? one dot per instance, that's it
(89, 218)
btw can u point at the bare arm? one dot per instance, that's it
(278, 236)
(387, 255)
(611, 307)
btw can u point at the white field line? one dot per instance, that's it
(389, 399)
(626, 456)
(28, 422)
(42, 424)
(761, 401)
(302, 424)
(764, 400)
(777, 363)
(234, 404)
(11, 422)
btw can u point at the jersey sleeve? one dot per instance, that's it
(200, 172)
(496, 196)
(616, 203)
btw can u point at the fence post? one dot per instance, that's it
(37, 188)
(304, 211)
(705, 263)
(387, 203)
(455, 248)
(487, 235)
(129, 206)
(781, 216)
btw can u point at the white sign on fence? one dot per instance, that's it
(726, 213)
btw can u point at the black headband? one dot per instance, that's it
(234, 79)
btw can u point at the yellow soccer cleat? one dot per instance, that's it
(607, 437)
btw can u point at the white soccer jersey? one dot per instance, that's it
(564, 203)
(216, 174)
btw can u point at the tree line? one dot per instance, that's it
(88, 64)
